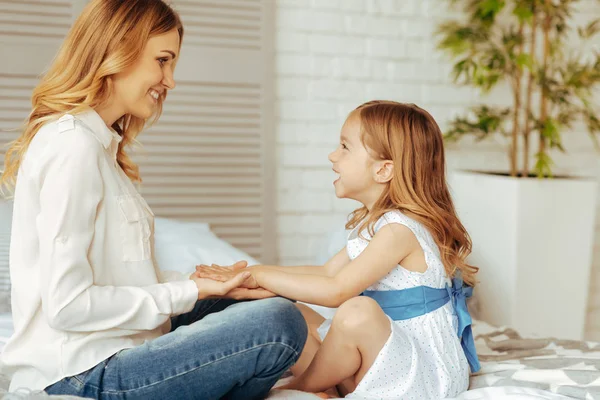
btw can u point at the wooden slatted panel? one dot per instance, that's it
(203, 160)
(15, 105)
(30, 33)
(223, 23)
(34, 20)
(4, 275)
(210, 157)
(5, 224)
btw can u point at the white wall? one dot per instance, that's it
(332, 55)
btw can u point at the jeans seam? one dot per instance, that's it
(82, 382)
(76, 377)
(201, 366)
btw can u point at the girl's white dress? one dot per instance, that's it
(423, 357)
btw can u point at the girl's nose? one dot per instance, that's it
(330, 156)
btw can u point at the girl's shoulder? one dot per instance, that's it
(394, 216)
(398, 217)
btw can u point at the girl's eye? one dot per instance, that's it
(344, 146)
(162, 61)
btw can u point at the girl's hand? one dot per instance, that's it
(238, 266)
(224, 274)
(249, 294)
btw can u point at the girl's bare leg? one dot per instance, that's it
(358, 333)
(346, 387)
(313, 341)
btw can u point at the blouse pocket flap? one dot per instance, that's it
(145, 206)
(130, 208)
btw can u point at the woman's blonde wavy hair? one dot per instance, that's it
(107, 38)
(409, 137)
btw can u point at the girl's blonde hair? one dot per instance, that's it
(107, 38)
(409, 137)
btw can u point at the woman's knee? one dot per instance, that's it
(282, 318)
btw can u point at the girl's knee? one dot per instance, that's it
(360, 304)
(357, 314)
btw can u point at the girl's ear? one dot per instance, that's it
(384, 171)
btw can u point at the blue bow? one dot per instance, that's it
(459, 293)
(420, 300)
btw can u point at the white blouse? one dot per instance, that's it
(84, 281)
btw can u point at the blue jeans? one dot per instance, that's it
(221, 349)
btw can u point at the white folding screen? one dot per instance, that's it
(30, 34)
(210, 157)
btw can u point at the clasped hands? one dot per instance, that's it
(233, 282)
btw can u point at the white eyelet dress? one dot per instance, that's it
(423, 357)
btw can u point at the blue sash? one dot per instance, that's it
(420, 300)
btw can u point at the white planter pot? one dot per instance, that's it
(533, 241)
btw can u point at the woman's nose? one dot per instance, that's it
(168, 80)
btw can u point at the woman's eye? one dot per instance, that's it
(162, 61)
(344, 146)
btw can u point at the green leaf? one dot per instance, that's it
(590, 29)
(483, 122)
(543, 165)
(550, 130)
(593, 124)
(524, 60)
(523, 12)
(464, 69)
(457, 39)
(490, 8)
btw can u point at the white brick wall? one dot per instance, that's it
(332, 55)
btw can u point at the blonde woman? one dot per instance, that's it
(93, 315)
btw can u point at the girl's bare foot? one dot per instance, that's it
(329, 394)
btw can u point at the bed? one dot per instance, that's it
(513, 367)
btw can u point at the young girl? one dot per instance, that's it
(94, 317)
(402, 329)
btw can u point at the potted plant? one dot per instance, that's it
(532, 232)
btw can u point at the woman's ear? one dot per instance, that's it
(384, 171)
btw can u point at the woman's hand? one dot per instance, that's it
(204, 273)
(225, 274)
(213, 288)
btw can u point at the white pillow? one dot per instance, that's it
(180, 246)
